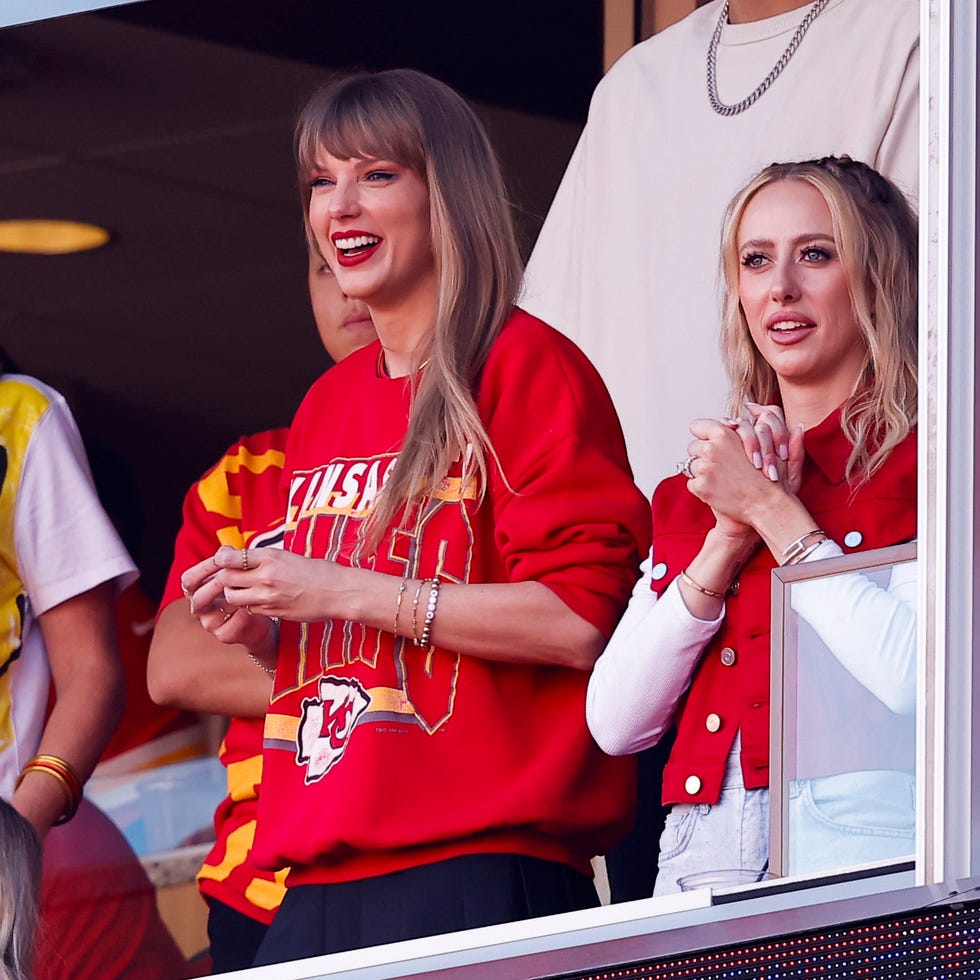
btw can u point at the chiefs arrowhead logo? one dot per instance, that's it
(327, 723)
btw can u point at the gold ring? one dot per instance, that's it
(228, 616)
(244, 559)
(248, 609)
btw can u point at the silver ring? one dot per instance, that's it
(227, 616)
(685, 467)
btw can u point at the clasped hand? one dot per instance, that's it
(238, 594)
(739, 464)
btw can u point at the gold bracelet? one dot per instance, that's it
(65, 766)
(430, 614)
(271, 671)
(806, 552)
(791, 555)
(700, 588)
(65, 774)
(415, 611)
(398, 603)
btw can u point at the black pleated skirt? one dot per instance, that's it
(460, 893)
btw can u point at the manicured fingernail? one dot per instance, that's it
(783, 451)
(773, 473)
(757, 460)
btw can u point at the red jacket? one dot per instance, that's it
(730, 689)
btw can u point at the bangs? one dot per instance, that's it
(359, 119)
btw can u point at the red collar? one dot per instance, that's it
(828, 447)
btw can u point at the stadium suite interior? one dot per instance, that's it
(168, 122)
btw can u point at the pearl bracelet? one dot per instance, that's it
(430, 613)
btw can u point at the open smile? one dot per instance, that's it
(354, 247)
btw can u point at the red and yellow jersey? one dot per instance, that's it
(238, 503)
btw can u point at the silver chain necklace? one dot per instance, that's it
(712, 64)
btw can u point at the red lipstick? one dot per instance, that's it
(354, 246)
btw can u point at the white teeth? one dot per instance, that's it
(789, 325)
(360, 241)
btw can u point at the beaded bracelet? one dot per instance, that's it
(430, 614)
(61, 770)
(415, 611)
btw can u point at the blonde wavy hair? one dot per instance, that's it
(20, 887)
(875, 231)
(416, 121)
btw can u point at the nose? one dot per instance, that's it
(785, 285)
(344, 199)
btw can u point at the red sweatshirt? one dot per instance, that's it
(380, 755)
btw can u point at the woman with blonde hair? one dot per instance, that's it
(20, 887)
(459, 530)
(819, 335)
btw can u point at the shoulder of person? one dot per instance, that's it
(905, 12)
(899, 473)
(351, 372)
(525, 337)
(892, 25)
(676, 508)
(31, 395)
(535, 360)
(657, 53)
(250, 447)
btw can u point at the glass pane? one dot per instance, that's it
(844, 702)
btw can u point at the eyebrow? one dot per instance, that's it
(805, 239)
(320, 166)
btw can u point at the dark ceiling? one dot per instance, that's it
(169, 123)
(540, 56)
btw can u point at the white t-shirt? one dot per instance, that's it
(56, 542)
(626, 264)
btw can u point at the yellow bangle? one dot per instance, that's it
(65, 774)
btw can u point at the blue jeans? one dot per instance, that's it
(732, 833)
(849, 819)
